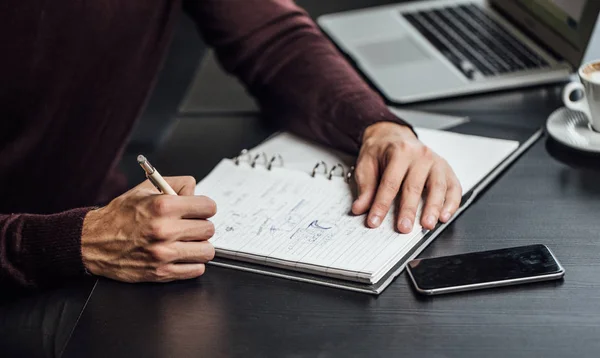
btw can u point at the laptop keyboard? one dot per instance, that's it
(473, 41)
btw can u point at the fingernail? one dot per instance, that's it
(430, 220)
(375, 220)
(405, 224)
(445, 216)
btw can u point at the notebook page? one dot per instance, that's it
(471, 157)
(288, 218)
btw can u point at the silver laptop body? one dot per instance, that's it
(434, 49)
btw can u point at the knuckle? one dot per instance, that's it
(119, 201)
(426, 152)
(157, 230)
(395, 147)
(409, 211)
(358, 177)
(390, 185)
(159, 253)
(160, 204)
(365, 188)
(438, 184)
(364, 180)
(453, 204)
(189, 180)
(380, 207)
(161, 274)
(455, 185)
(370, 142)
(434, 208)
(413, 188)
(453, 193)
(407, 146)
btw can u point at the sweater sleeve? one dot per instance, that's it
(39, 250)
(297, 76)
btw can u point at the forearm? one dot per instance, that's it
(297, 76)
(38, 250)
(317, 94)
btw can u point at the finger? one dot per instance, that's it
(183, 185)
(366, 176)
(436, 194)
(453, 198)
(412, 189)
(187, 207)
(172, 272)
(194, 230)
(387, 190)
(192, 252)
(180, 230)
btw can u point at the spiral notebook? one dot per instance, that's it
(284, 210)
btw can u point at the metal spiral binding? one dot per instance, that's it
(332, 171)
(273, 159)
(268, 163)
(243, 153)
(321, 163)
(256, 157)
(339, 167)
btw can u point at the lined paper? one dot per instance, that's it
(288, 219)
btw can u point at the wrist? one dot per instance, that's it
(89, 238)
(385, 128)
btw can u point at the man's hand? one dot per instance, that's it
(145, 236)
(391, 160)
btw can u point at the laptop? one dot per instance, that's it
(427, 50)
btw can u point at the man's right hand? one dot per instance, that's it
(145, 236)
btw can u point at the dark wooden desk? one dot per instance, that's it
(541, 199)
(230, 313)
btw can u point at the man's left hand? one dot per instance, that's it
(392, 160)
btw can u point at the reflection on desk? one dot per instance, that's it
(39, 324)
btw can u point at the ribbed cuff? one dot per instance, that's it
(358, 115)
(51, 248)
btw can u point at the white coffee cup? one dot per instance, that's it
(589, 104)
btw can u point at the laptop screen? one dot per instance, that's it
(565, 26)
(564, 16)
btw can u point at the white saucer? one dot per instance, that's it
(572, 129)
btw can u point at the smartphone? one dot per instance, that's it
(485, 269)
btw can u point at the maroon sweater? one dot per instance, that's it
(75, 75)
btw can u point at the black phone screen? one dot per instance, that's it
(484, 266)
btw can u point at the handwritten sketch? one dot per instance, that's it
(281, 215)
